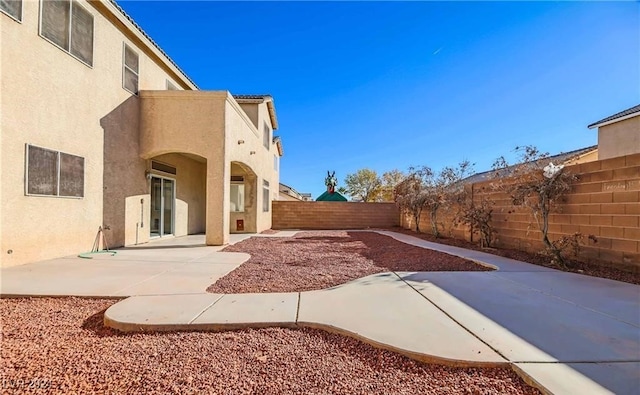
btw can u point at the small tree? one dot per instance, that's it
(444, 190)
(478, 217)
(363, 185)
(390, 180)
(410, 194)
(536, 183)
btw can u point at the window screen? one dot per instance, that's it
(42, 171)
(130, 73)
(69, 26)
(71, 175)
(81, 34)
(54, 173)
(171, 86)
(12, 8)
(55, 21)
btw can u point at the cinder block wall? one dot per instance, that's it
(333, 215)
(605, 202)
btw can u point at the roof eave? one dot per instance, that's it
(272, 114)
(609, 122)
(278, 142)
(116, 11)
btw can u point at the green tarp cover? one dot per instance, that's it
(331, 197)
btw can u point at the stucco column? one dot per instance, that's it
(218, 189)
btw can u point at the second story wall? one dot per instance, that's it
(53, 100)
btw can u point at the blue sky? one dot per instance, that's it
(388, 85)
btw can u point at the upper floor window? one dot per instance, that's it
(266, 137)
(54, 173)
(69, 26)
(130, 66)
(13, 8)
(276, 161)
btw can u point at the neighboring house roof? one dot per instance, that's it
(622, 115)
(130, 19)
(286, 189)
(260, 99)
(558, 159)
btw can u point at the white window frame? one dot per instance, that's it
(238, 183)
(266, 137)
(93, 38)
(124, 66)
(173, 206)
(26, 174)
(266, 196)
(13, 17)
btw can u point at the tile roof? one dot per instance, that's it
(559, 158)
(621, 114)
(252, 97)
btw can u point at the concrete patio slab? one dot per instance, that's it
(158, 313)
(251, 310)
(381, 309)
(613, 298)
(111, 277)
(184, 279)
(525, 324)
(584, 378)
(163, 254)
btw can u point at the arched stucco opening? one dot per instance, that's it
(243, 199)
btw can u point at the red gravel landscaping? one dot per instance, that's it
(60, 346)
(322, 259)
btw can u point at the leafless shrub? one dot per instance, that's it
(567, 247)
(536, 183)
(478, 217)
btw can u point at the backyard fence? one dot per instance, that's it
(333, 215)
(604, 202)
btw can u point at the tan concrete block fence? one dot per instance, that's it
(605, 202)
(334, 215)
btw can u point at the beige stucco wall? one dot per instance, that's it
(619, 139)
(251, 109)
(191, 122)
(240, 127)
(52, 100)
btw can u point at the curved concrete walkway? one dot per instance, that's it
(563, 332)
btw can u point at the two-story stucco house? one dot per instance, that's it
(101, 128)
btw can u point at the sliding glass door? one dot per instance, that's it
(162, 206)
